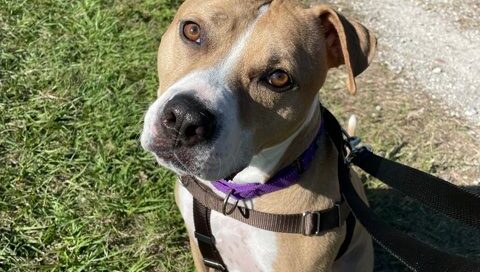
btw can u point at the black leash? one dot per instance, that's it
(439, 194)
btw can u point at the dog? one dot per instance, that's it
(238, 98)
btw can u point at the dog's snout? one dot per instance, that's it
(187, 120)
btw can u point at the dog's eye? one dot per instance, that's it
(279, 79)
(192, 32)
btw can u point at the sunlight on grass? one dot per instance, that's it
(77, 190)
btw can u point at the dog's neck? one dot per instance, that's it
(316, 187)
(266, 163)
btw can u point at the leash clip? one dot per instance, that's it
(352, 144)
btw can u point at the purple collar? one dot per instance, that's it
(282, 179)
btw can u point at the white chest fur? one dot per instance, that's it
(243, 248)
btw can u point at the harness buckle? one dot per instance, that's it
(338, 206)
(205, 239)
(309, 228)
(214, 265)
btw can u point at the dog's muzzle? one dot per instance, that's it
(180, 132)
(187, 122)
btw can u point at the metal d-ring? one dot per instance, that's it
(225, 204)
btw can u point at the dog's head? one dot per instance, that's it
(240, 76)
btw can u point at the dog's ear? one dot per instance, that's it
(347, 42)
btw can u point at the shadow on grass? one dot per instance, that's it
(422, 223)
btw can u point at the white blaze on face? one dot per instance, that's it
(263, 9)
(237, 52)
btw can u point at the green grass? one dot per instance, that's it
(77, 192)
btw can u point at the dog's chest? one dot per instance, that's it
(243, 248)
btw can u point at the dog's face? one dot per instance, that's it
(239, 76)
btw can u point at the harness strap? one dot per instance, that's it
(313, 223)
(205, 238)
(351, 222)
(416, 255)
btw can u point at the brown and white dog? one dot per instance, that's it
(239, 97)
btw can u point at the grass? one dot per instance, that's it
(77, 193)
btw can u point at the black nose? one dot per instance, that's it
(187, 120)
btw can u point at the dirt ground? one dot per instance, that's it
(433, 45)
(422, 90)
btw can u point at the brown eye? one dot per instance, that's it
(279, 79)
(192, 32)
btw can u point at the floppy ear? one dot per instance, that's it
(347, 42)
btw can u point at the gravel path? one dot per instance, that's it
(434, 44)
